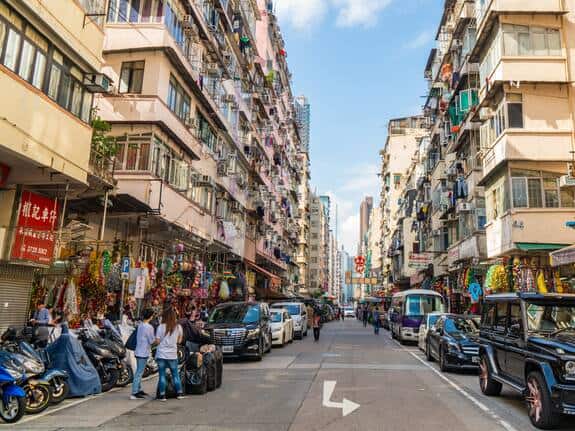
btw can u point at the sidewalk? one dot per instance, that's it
(89, 412)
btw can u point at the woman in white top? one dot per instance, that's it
(168, 336)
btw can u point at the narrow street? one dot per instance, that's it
(396, 389)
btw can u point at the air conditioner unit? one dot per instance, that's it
(212, 69)
(566, 181)
(485, 113)
(235, 207)
(464, 207)
(97, 83)
(222, 168)
(188, 22)
(229, 98)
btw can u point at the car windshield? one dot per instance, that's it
(459, 325)
(292, 309)
(419, 305)
(550, 318)
(236, 313)
(276, 316)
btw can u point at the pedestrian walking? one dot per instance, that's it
(144, 340)
(375, 317)
(168, 336)
(316, 323)
(365, 316)
(342, 313)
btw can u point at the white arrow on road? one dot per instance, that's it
(346, 406)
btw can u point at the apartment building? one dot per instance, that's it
(364, 213)
(403, 139)
(50, 59)
(492, 182)
(318, 246)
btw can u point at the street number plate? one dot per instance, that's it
(475, 359)
(228, 349)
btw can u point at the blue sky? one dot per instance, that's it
(360, 62)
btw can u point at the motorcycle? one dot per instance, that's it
(12, 396)
(36, 389)
(103, 358)
(56, 378)
(126, 374)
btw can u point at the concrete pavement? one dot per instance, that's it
(396, 388)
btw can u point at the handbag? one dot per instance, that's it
(132, 340)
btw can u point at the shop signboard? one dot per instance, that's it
(34, 236)
(452, 255)
(565, 256)
(420, 260)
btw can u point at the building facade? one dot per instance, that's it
(365, 209)
(489, 191)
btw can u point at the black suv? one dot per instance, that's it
(240, 329)
(527, 341)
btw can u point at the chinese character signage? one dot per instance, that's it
(34, 236)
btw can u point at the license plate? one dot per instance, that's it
(475, 359)
(228, 349)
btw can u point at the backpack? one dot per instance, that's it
(132, 340)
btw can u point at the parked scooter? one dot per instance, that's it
(12, 396)
(57, 379)
(102, 357)
(36, 389)
(126, 374)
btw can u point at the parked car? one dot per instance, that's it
(282, 326)
(527, 342)
(450, 342)
(240, 329)
(348, 312)
(298, 312)
(428, 321)
(407, 311)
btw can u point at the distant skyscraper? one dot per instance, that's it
(303, 119)
(364, 216)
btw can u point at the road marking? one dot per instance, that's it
(462, 391)
(347, 407)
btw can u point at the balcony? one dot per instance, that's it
(544, 69)
(486, 11)
(41, 133)
(150, 109)
(524, 144)
(529, 226)
(169, 204)
(68, 20)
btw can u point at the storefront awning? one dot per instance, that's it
(262, 271)
(535, 246)
(564, 256)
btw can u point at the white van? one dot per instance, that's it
(298, 313)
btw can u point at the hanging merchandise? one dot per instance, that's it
(475, 292)
(106, 263)
(557, 281)
(71, 300)
(496, 279)
(541, 286)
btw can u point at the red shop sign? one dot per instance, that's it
(34, 236)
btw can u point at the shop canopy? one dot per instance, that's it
(536, 246)
(263, 271)
(564, 256)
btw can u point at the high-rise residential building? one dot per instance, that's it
(50, 63)
(318, 246)
(303, 118)
(403, 138)
(364, 214)
(490, 188)
(191, 161)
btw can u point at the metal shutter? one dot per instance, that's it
(15, 289)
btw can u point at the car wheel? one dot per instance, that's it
(442, 361)
(428, 354)
(488, 386)
(539, 404)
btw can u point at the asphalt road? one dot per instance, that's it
(397, 390)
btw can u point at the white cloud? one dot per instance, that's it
(420, 40)
(359, 12)
(304, 14)
(362, 178)
(301, 14)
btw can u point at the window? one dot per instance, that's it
(534, 189)
(206, 133)
(12, 49)
(519, 40)
(501, 317)
(131, 77)
(134, 11)
(509, 114)
(515, 319)
(489, 315)
(496, 202)
(514, 111)
(178, 100)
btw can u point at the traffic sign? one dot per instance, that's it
(125, 267)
